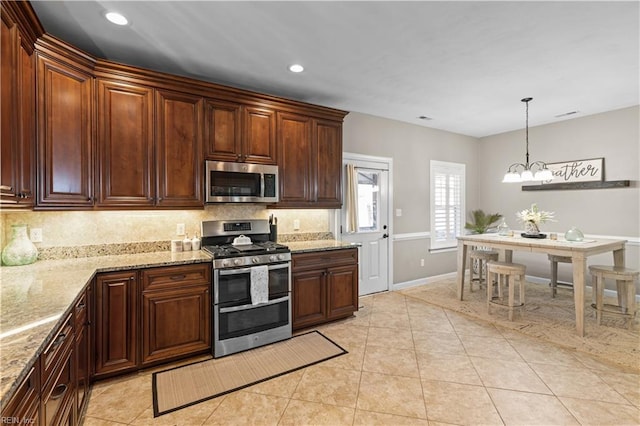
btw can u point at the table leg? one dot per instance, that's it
(462, 260)
(508, 256)
(579, 268)
(618, 260)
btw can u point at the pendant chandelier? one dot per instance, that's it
(527, 172)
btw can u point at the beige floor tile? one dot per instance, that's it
(283, 386)
(576, 383)
(190, 416)
(543, 353)
(399, 338)
(387, 320)
(601, 413)
(390, 360)
(264, 410)
(352, 360)
(123, 400)
(313, 413)
(366, 418)
(346, 335)
(512, 375)
(333, 386)
(448, 368)
(626, 384)
(496, 348)
(434, 343)
(467, 326)
(419, 309)
(391, 395)
(525, 408)
(431, 325)
(459, 404)
(93, 421)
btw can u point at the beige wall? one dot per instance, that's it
(412, 147)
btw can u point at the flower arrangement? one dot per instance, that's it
(533, 217)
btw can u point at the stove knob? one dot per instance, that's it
(281, 256)
(255, 259)
(225, 263)
(273, 258)
(237, 262)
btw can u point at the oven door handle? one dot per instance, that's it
(245, 307)
(248, 270)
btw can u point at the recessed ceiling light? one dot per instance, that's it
(116, 18)
(296, 68)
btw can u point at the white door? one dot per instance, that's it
(373, 228)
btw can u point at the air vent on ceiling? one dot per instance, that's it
(564, 114)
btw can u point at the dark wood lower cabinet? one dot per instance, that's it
(325, 286)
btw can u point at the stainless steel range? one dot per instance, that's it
(251, 285)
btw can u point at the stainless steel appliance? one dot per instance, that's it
(239, 248)
(241, 182)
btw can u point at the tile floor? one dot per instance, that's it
(408, 363)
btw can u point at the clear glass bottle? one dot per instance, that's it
(503, 228)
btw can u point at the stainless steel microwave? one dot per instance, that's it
(241, 182)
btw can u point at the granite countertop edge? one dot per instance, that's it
(73, 275)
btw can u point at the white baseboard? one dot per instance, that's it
(435, 278)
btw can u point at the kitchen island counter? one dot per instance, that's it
(35, 298)
(317, 245)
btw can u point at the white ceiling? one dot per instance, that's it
(465, 64)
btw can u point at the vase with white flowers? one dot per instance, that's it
(532, 218)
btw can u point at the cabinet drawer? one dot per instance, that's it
(324, 259)
(80, 314)
(59, 393)
(169, 277)
(52, 356)
(23, 407)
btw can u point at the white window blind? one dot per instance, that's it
(447, 203)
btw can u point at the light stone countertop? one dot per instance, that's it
(36, 298)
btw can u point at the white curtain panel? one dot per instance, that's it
(352, 199)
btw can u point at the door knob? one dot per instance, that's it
(385, 235)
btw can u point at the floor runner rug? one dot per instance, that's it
(183, 386)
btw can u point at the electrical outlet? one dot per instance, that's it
(421, 262)
(296, 224)
(35, 235)
(398, 212)
(180, 229)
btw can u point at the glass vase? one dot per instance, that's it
(531, 228)
(20, 250)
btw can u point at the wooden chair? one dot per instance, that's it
(504, 272)
(625, 278)
(554, 260)
(482, 257)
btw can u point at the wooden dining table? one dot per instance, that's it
(579, 251)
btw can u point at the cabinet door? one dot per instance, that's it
(328, 164)
(342, 289)
(180, 166)
(175, 323)
(223, 138)
(82, 351)
(115, 322)
(65, 145)
(24, 406)
(259, 136)
(17, 124)
(125, 145)
(309, 292)
(294, 159)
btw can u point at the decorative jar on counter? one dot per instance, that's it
(20, 250)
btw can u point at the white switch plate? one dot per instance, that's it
(398, 212)
(296, 224)
(35, 235)
(180, 229)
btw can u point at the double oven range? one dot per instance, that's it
(240, 249)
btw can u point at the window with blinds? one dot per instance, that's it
(447, 203)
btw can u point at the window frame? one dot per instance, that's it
(448, 169)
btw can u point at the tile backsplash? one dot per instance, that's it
(79, 228)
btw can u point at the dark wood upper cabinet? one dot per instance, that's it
(179, 162)
(125, 145)
(65, 143)
(310, 160)
(239, 133)
(17, 124)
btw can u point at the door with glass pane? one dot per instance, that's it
(371, 225)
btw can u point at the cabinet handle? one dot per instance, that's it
(6, 188)
(178, 277)
(59, 391)
(59, 339)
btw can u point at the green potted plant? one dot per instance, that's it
(481, 222)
